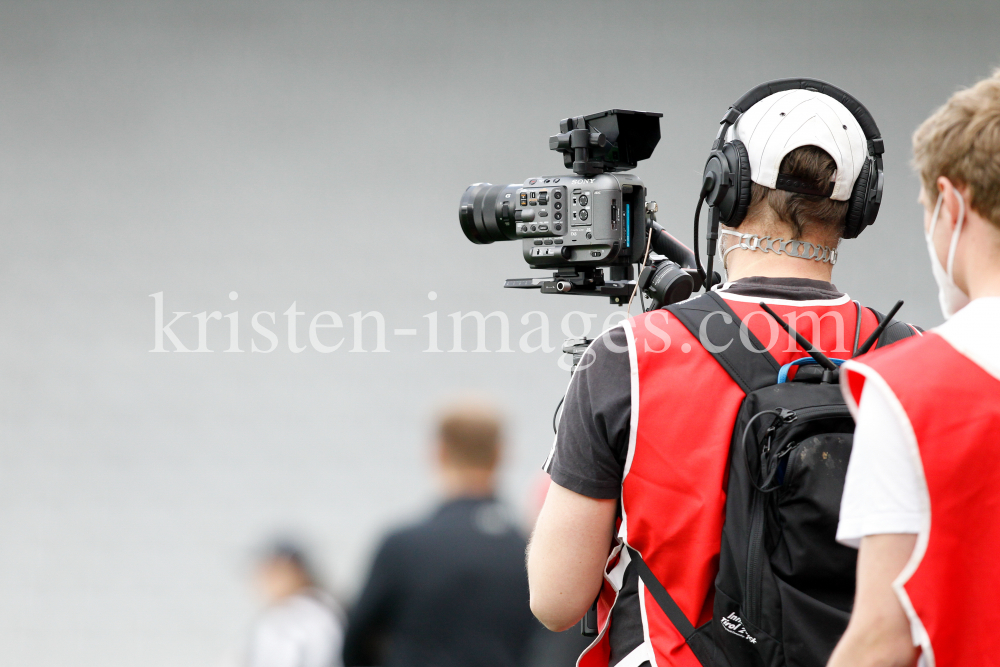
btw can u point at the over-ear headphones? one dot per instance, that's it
(726, 179)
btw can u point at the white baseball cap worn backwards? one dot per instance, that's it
(784, 121)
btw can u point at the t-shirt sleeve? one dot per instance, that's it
(884, 491)
(590, 449)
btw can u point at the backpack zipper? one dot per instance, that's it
(755, 557)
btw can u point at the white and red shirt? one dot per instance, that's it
(925, 462)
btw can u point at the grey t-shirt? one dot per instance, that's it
(590, 449)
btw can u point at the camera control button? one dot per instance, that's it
(589, 235)
(558, 241)
(584, 214)
(524, 229)
(543, 214)
(543, 228)
(584, 200)
(538, 243)
(532, 228)
(558, 215)
(558, 193)
(558, 227)
(548, 241)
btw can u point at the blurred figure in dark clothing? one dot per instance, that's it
(450, 591)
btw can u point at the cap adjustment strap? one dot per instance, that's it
(792, 184)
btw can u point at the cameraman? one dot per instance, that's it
(642, 450)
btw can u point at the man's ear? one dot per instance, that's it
(951, 206)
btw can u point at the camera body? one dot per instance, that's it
(565, 221)
(596, 217)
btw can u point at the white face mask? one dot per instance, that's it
(951, 298)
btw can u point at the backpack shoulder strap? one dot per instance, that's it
(710, 319)
(662, 597)
(895, 332)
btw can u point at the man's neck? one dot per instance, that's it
(745, 263)
(988, 285)
(465, 482)
(981, 258)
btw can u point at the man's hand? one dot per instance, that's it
(878, 634)
(566, 557)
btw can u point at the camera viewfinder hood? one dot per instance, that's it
(614, 140)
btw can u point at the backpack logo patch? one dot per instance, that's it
(734, 624)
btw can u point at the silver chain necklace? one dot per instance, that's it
(779, 246)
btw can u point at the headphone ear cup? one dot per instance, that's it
(740, 194)
(856, 209)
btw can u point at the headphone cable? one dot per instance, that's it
(710, 255)
(697, 255)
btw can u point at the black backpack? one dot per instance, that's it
(785, 587)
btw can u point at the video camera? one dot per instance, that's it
(597, 217)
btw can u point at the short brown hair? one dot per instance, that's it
(815, 168)
(961, 141)
(470, 435)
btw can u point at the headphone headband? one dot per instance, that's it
(857, 109)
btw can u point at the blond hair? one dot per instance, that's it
(470, 435)
(961, 141)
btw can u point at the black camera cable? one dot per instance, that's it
(707, 185)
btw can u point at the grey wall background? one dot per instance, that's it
(315, 152)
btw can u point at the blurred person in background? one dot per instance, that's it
(302, 625)
(452, 589)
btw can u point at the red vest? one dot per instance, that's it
(673, 495)
(953, 406)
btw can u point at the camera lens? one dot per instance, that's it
(584, 200)
(557, 205)
(486, 212)
(584, 214)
